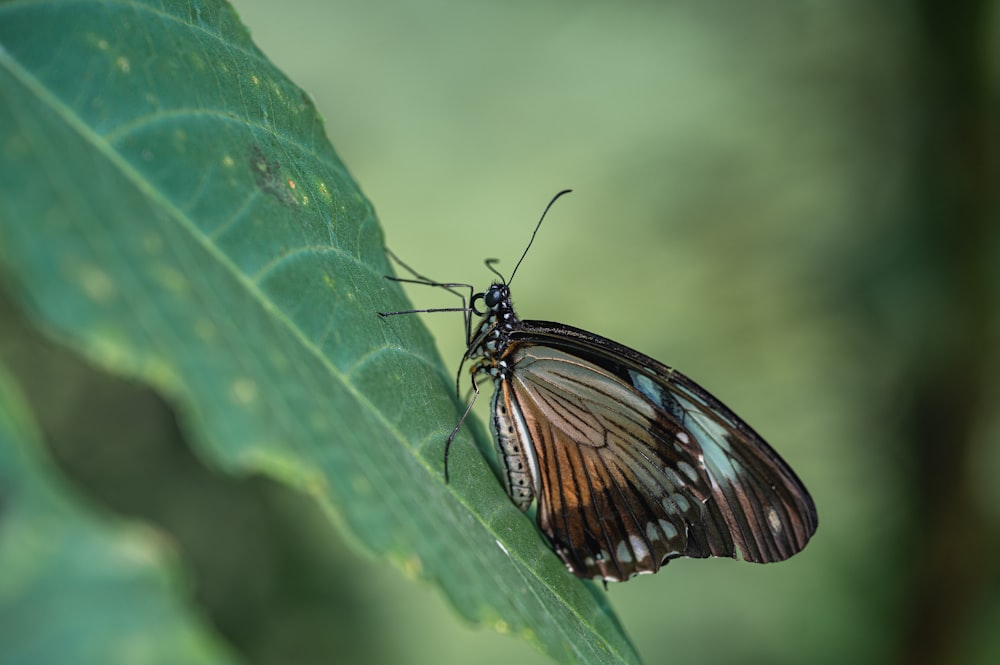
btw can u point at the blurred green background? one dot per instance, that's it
(794, 203)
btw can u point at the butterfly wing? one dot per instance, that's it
(636, 464)
(619, 490)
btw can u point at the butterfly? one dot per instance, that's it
(630, 462)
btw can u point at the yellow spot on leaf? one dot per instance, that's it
(243, 391)
(171, 278)
(96, 283)
(152, 243)
(141, 547)
(412, 566)
(111, 349)
(279, 360)
(160, 370)
(205, 329)
(123, 64)
(361, 485)
(261, 458)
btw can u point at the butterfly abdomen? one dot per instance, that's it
(488, 347)
(520, 477)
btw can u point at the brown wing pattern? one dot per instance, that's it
(620, 491)
(634, 475)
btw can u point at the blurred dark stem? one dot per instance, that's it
(954, 219)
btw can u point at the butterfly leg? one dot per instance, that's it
(427, 281)
(458, 426)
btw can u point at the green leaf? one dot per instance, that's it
(75, 583)
(170, 206)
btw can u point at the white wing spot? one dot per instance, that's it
(669, 530)
(639, 547)
(688, 471)
(624, 555)
(773, 520)
(651, 532)
(673, 477)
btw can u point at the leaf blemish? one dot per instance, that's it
(152, 243)
(96, 283)
(171, 278)
(205, 329)
(243, 390)
(267, 176)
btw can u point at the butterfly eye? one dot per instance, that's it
(493, 297)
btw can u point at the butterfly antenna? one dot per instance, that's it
(489, 266)
(533, 233)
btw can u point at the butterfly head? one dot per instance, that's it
(496, 298)
(490, 338)
(499, 311)
(498, 314)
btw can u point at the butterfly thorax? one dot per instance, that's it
(491, 338)
(488, 348)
